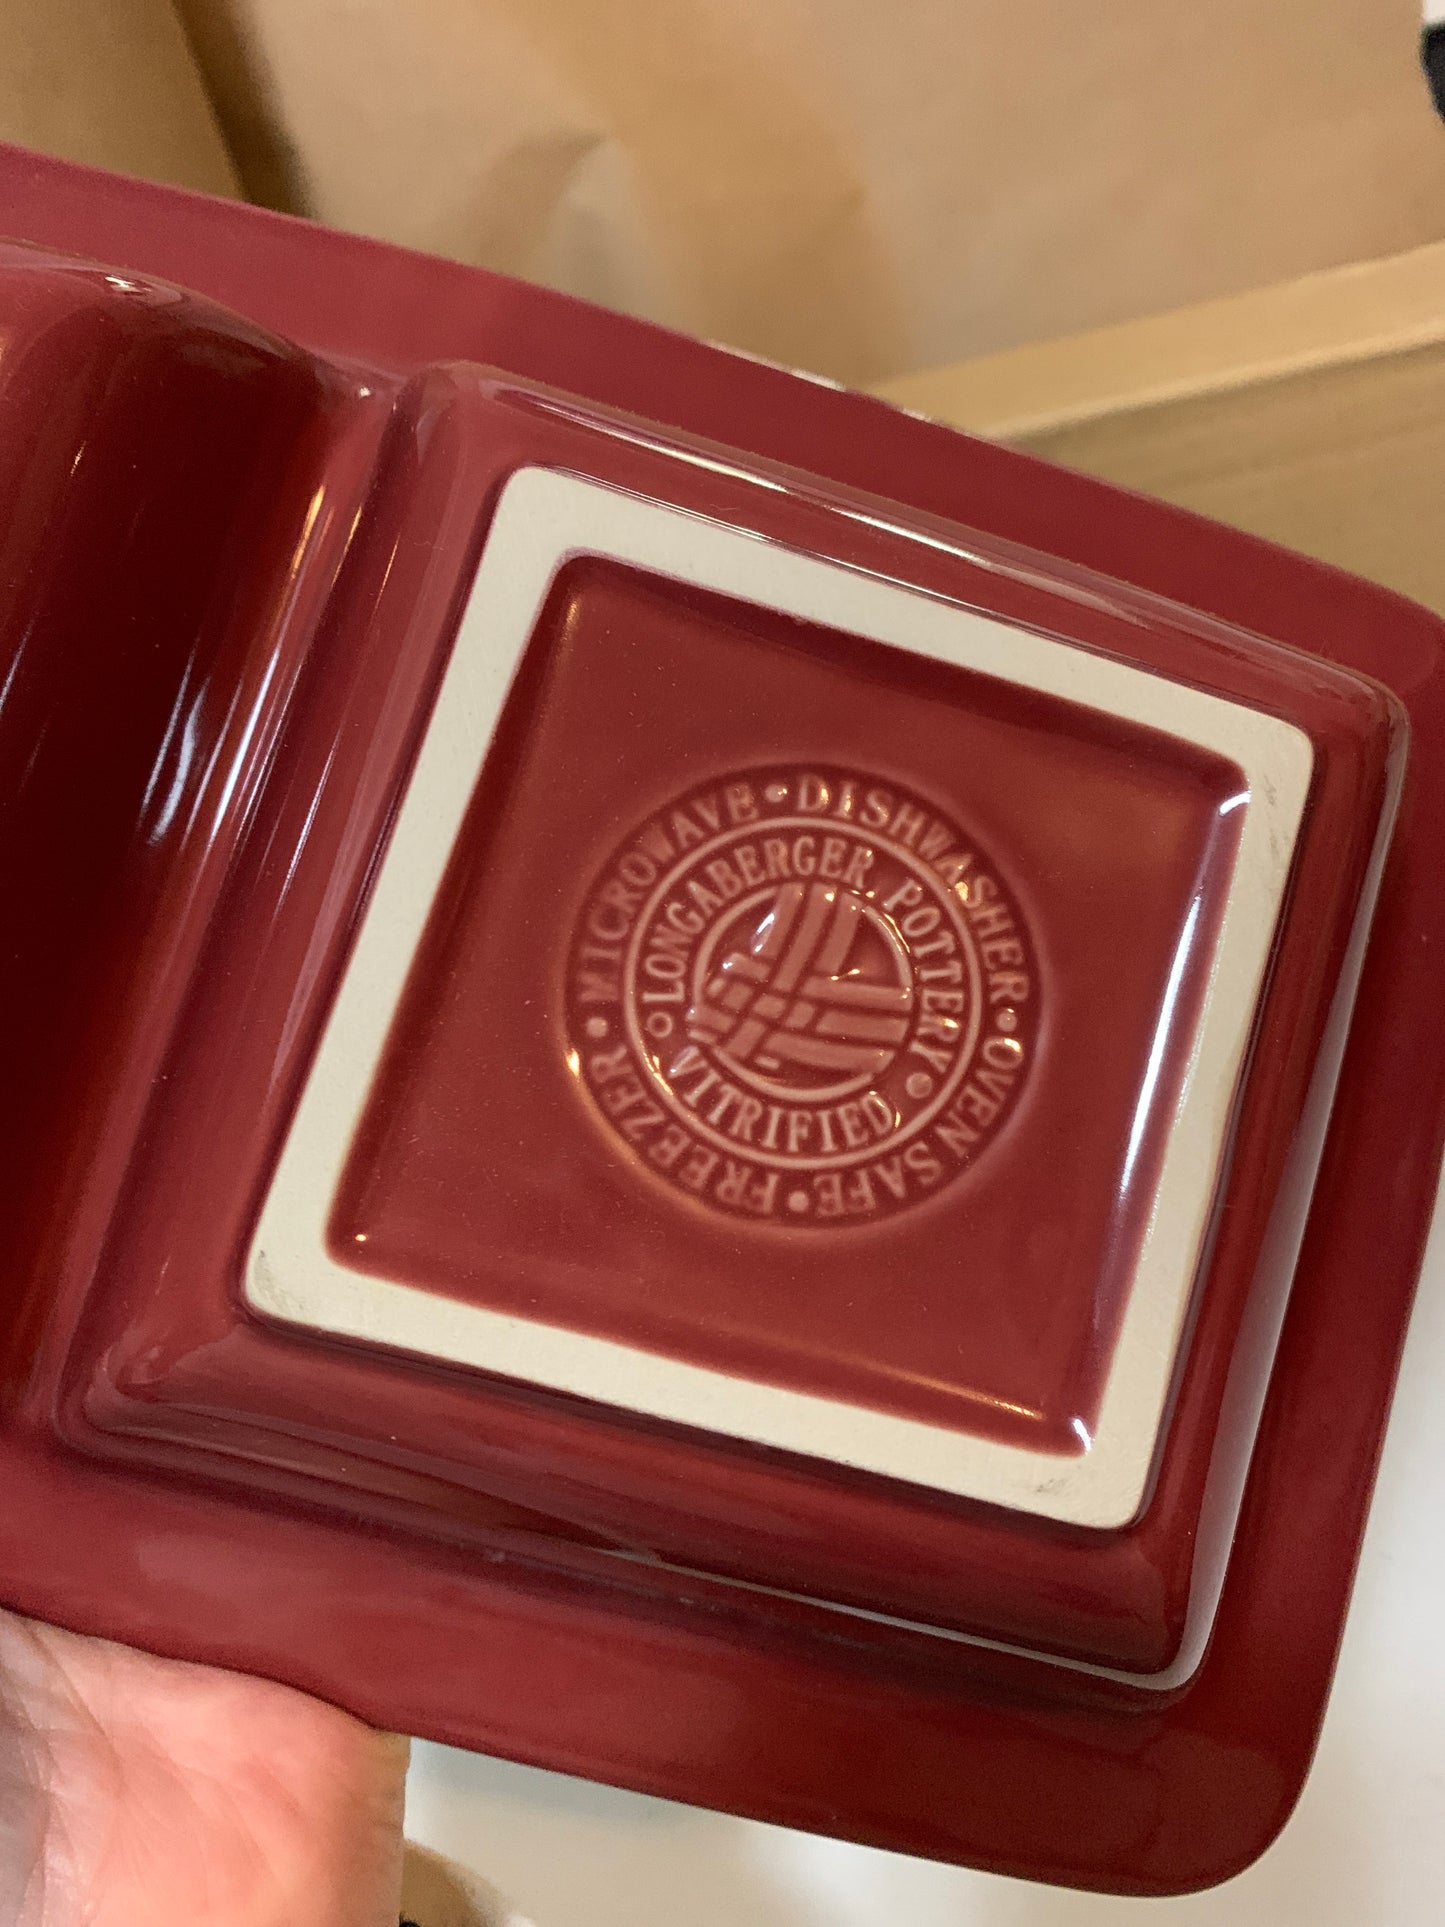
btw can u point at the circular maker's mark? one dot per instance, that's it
(803, 997)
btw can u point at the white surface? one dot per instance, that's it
(543, 519)
(1366, 1847)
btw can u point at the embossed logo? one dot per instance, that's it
(803, 997)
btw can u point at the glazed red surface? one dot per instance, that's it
(195, 421)
(163, 1365)
(482, 1171)
(716, 1695)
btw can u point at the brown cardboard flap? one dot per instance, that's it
(111, 82)
(1355, 313)
(1312, 413)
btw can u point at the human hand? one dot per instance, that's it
(136, 1790)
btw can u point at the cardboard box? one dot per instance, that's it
(114, 85)
(1312, 412)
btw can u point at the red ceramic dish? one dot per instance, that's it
(682, 1027)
